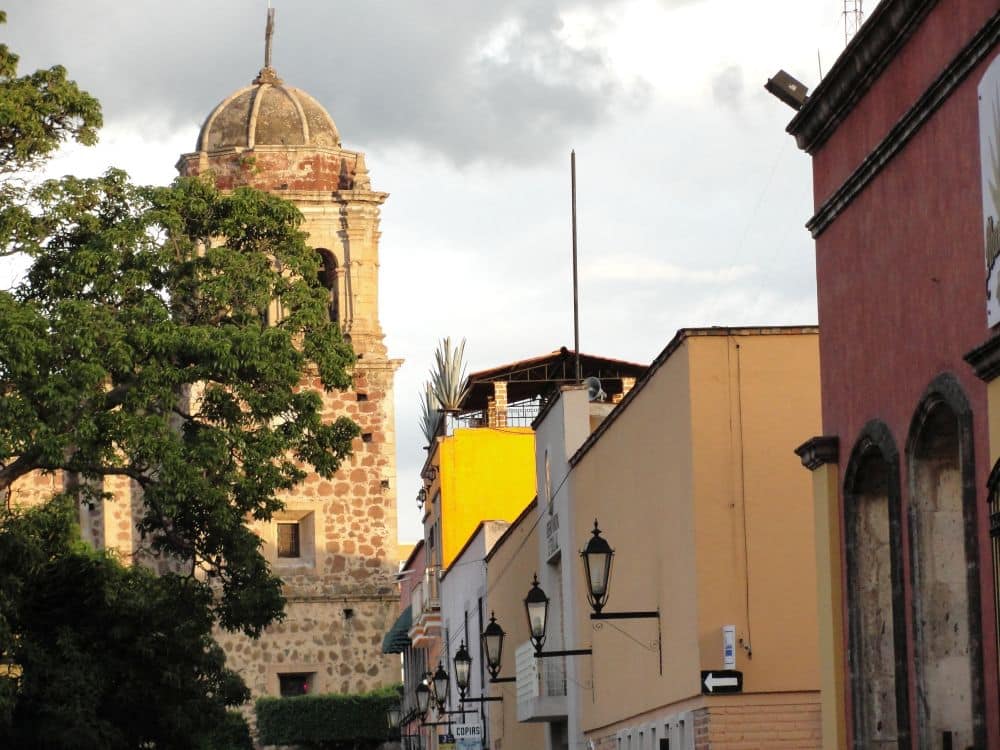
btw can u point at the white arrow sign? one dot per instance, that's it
(712, 682)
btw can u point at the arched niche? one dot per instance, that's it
(876, 604)
(329, 278)
(944, 569)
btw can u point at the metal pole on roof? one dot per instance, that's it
(576, 302)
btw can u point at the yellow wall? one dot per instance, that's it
(484, 473)
(829, 594)
(707, 442)
(512, 563)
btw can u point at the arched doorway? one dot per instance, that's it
(944, 562)
(877, 636)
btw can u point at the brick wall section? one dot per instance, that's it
(750, 726)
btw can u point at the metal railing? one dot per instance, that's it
(518, 414)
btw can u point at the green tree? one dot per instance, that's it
(138, 345)
(112, 656)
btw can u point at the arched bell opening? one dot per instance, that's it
(329, 279)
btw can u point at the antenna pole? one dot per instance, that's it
(854, 15)
(576, 303)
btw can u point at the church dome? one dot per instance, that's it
(268, 113)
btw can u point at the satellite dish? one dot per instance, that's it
(594, 390)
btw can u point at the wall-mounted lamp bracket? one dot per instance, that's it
(638, 615)
(570, 652)
(653, 615)
(494, 680)
(496, 699)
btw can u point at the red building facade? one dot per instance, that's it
(902, 192)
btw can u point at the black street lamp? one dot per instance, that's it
(394, 715)
(597, 557)
(440, 683)
(463, 663)
(536, 605)
(423, 699)
(492, 639)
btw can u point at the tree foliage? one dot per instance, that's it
(39, 111)
(109, 656)
(159, 335)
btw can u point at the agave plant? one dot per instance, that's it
(429, 413)
(448, 376)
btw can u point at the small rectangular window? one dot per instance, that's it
(288, 540)
(298, 683)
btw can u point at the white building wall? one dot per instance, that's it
(557, 437)
(463, 602)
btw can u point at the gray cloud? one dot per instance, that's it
(727, 86)
(490, 81)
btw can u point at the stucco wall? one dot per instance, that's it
(484, 472)
(510, 565)
(901, 272)
(695, 484)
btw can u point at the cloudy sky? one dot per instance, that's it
(692, 198)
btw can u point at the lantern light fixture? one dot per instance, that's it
(536, 606)
(394, 715)
(463, 664)
(597, 557)
(440, 684)
(423, 692)
(492, 638)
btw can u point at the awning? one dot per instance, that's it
(398, 637)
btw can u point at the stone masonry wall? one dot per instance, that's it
(341, 592)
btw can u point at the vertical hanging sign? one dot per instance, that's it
(989, 154)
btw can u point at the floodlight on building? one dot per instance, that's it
(792, 92)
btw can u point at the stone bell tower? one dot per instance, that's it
(334, 545)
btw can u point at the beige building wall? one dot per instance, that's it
(510, 563)
(696, 486)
